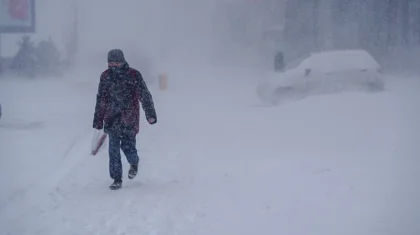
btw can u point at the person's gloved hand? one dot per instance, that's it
(152, 121)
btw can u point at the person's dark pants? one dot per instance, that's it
(127, 143)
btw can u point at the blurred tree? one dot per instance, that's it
(33, 60)
(48, 58)
(24, 63)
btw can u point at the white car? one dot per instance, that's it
(323, 73)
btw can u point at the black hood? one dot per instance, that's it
(116, 55)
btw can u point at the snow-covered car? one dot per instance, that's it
(323, 73)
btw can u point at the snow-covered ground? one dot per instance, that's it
(217, 162)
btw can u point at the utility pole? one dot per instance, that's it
(1, 60)
(72, 44)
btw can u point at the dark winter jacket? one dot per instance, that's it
(117, 107)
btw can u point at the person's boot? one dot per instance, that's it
(133, 171)
(116, 185)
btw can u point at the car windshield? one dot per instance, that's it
(296, 62)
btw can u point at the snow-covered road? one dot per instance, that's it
(216, 162)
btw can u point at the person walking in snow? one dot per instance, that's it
(117, 111)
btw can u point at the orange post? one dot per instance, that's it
(163, 82)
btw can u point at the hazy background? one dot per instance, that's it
(217, 162)
(211, 32)
(226, 32)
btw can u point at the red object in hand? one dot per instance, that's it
(19, 9)
(99, 144)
